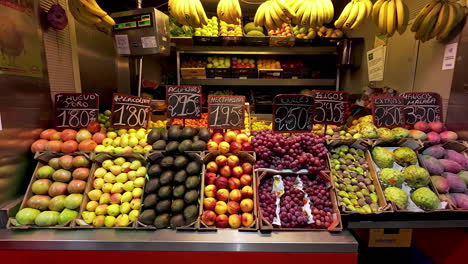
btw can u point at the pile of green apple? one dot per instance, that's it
(209, 30)
(104, 120)
(115, 199)
(56, 192)
(125, 141)
(219, 62)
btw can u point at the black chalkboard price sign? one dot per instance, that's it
(75, 110)
(130, 111)
(226, 111)
(184, 101)
(293, 113)
(330, 107)
(387, 111)
(422, 107)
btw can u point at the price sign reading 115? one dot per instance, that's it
(130, 111)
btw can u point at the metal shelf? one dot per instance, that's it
(261, 82)
(259, 50)
(170, 240)
(410, 224)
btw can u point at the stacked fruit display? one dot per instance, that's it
(104, 120)
(69, 140)
(232, 141)
(251, 30)
(354, 14)
(124, 141)
(313, 12)
(178, 30)
(268, 63)
(228, 192)
(325, 32)
(304, 202)
(304, 32)
(261, 125)
(402, 177)
(179, 139)
(193, 62)
(56, 191)
(353, 180)
(158, 123)
(229, 11)
(114, 199)
(433, 132)
(243, 63)
(208, 30)
(189, 13)
(284, 31)
(202, 122)
(233, 30)
(219, 62)
(273, 13)
(449, 174)
(171, 193)
(279, 152)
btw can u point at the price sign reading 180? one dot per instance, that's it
(75, 110)
(130, 111)
(226, 111)
(293, 113)
(183, 101)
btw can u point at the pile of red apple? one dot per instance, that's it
(284, 31)
(434, 132)
(232, 141)
(242, 63)
(228, 193)
(70, 140)
(292, 64)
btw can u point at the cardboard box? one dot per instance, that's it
(193, 73)
(390, 237)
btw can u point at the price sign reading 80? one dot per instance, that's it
(387, 111)
(226, 112)
(330, 107)
(183, 101)
(292, 113)
(75, 110)
(130, 111)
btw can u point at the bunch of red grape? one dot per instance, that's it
(278, 151)
(292, 201)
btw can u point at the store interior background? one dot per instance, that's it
(79, 59)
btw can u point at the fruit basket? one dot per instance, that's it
(224, 172)
(448, 166)
(231, 34)
(172, 192)
(406, 184)
(54, 172)
(113, 194)
(354, 179)
(306, 202)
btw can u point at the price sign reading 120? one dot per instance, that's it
(75, 110)
(387, 111)
(130, 111)
(293, 113)
(226, 111)
(184, 101)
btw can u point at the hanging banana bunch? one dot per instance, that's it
(313, 13)
(229, 11)
(354, 14)
(273, 13)
(188, 12)
(390, 16)
(88, 12)
(437, 19)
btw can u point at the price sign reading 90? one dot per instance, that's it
(422, 107)
(75, 110)
(330, 107)
(387, 111)
(130, 111)
(226, 111)
(292, 113)
(183, 101)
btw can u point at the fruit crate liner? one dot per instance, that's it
(97, 163)
(458, 146)
(43, 159)
(151, 157)
(266, 226)
(282, 41)
(244, 156)
(384, 206)
(206, 41)
(414, 144)
(412, 207)
(256, 41)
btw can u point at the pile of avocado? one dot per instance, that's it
(171, 193)
(179, 139)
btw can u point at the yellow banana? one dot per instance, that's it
(455, 16)
(401, 29)
(286, 8)
(313, 18)
(391, 12)
(352, 16)
(344, 15)
(320, 10)
(92, 9)
(279, 12)
(428, 22)
(194, 13)
(402, 16)
(109, 20)
(422, 14)
(368, 4)
(300, 12)
(274, 15)
(383, 18)
(360, 17)
(268, 20)
(82, 16)
(376, 11)
(305, 21)
(238, 8)
(442, 19)
(331, 11)
(201, 12)
(259, 19)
